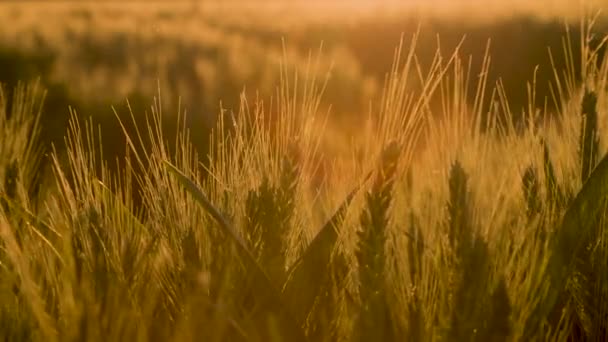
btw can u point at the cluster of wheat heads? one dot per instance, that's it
(491, 233)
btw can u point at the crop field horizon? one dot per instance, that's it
(303, 171)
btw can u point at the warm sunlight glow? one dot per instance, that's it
(303, 170)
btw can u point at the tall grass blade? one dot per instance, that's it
(581, 284)
(575, 228)
(310, 271)
(200, 197)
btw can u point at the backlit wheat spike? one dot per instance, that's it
(375, 321)
(555, 195)
(531, 193)
(589, 136)
(499, 326)
(460, 243)
(576, 227)
(416, 324)
(287, 187)
(581, 288)
(415, 248)
(459, 221)
(266, 224)
(11, 179)
(271, 306)
(269, 212)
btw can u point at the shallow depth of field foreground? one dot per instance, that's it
(444, 220)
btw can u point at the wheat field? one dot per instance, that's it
(449, 212)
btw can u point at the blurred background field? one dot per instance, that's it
(202, 55)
